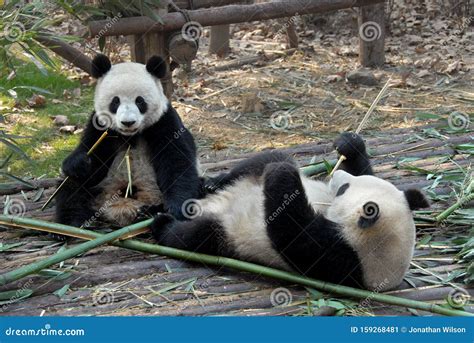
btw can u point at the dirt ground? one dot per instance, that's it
(304, 96)
(287, 98)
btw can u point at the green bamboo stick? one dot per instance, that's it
(317, 168)
(68, 253)
(201, 258)
(468, 197)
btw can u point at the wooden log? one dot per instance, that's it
(224, 15)
(291, 35)
(220, 37)
(182, 51)
(372, 35)
(66, 51)
(184, 4)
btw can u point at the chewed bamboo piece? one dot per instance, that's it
(91, 150)
(364, 121)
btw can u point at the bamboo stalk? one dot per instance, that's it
(316, 168)
(96, 241)
(112, 238)
(96, 144)
(460, 203)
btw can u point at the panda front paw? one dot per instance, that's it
(211, 186)
(351, 145)
(77, 165)
(160, 223)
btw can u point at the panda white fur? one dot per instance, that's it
(356, 230)
(129, 102)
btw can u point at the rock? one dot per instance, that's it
(60, 120)
(363, 77)
(334, 78)
(67, 129)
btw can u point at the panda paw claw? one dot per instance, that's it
(350, 144)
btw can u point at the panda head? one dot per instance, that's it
(376, 221)
(129, 96)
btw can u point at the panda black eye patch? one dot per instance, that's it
(114, 104)
(342, 189)
(141, 104)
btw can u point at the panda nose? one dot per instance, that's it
(128, 123)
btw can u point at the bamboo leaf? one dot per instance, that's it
(60, 292)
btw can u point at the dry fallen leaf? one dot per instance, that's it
(36, 101)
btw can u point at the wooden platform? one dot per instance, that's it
(114, 281)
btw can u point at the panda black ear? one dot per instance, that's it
(100, 66)
(416, 199)
(156, 66)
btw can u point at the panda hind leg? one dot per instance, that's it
(284, 189)
(202, 234)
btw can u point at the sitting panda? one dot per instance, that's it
(129, 102)
(356, 230)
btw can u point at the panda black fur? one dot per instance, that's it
(266, 211)
(130, 103)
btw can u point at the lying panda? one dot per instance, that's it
(356, 230)
(129, 102)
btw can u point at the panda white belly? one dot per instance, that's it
(112, 203)
(240, 210)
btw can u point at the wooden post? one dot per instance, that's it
(372, 35)
(142, 47)
(292, 34)
(220, 36)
